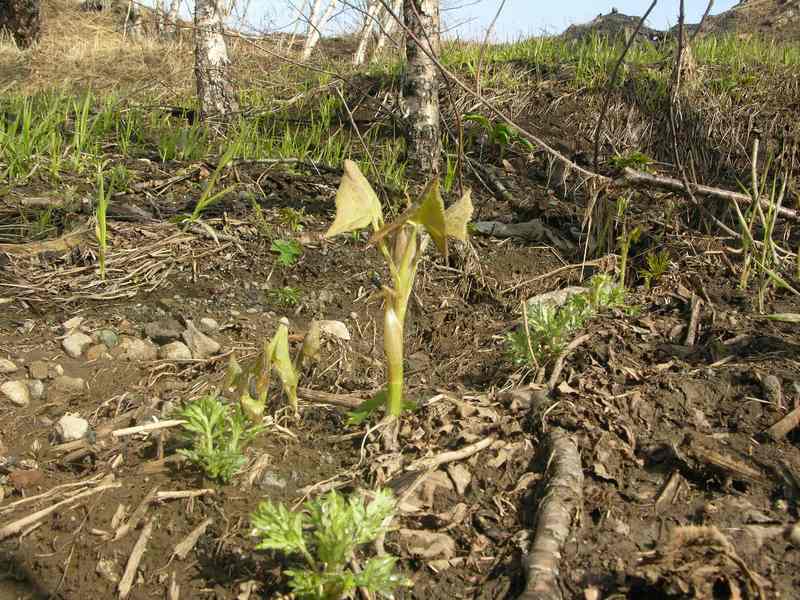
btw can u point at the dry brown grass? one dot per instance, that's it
(87, 50)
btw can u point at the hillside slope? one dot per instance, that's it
(779, 19)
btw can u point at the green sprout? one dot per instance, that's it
(284, 296)
(209, 197)
(275, 354)
(288, 251)
(657, 265)
(633, 160)
(501, 134)
(549, 328)
(402, 244)
(326, 534)
(293, 218)
(218, 434)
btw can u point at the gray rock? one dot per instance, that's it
(773, 392)
(39, 369)
(131, 348)
(69, 385)
(164, 331)
(270, 479)
(75, 343)
(72, 324)
(175, 351)
(107, 337)
(336, 329)
(71, 428)
(326, 297)
(199, 343)
(36, 389)
(208, 325)
(17, 392)
(6, 366)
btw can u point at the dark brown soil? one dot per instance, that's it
(643, 408)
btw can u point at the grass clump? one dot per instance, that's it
(284, 296)
(325, 534)
(218, 434)
(550, 328)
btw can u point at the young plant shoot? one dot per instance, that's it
(275, 354)
(326, 533)
(402, 244)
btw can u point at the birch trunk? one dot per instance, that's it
(421, 86)
(158, 9)
(388, 25)
(171, 20)
(211, 64)
(316, 22)
(366, 30)
(21, 19)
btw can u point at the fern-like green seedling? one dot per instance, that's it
(325, 534)
(288, 251)
(218, 434)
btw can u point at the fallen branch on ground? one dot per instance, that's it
(634, 178)
(561, 503)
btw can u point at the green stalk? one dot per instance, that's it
(393, 348)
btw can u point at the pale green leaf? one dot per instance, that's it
(457, 216)
(251, 407)
(279, 355)
(431, 215)
(357, 205)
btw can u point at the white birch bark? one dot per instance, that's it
(158, 9)
(211, 63)
(317, 20)
(388, 26)
(420, 94)
(370, 16)
(171, 20)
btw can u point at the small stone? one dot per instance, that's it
(199, 343)
(69, 385)
(270, 479)
(336, 329)
(55, 371)
(6, 366)
(72, 324)
(75, 343)
(36, 388)
(235, 313)
(108, 337)
(164, 331)
(208, 325)
(71, 428)
(108, 570)
(253, 310)
(131, 348)
(97, 352)
(794, 535)
(772, 390)
(175, 351)
(17, 392)
(39, 369)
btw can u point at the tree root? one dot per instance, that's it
(560, 505)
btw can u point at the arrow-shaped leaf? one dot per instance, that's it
(357, 205)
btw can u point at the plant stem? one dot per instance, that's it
(393, 347)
